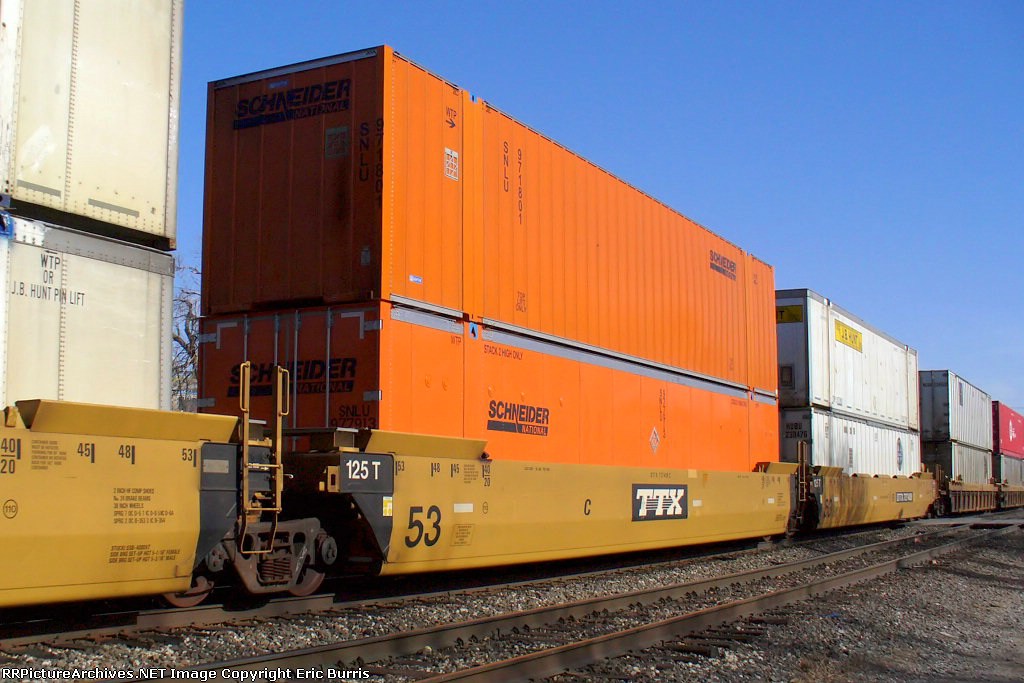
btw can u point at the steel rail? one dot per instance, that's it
(445, 635)
(68, 627)
(65, 627)
(128, 622)
(134, 622)
(577, 655)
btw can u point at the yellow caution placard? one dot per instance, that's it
(849, 336)
(789, 314)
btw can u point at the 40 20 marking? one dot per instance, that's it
(10, 454)
(10, 447)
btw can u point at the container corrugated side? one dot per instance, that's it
(857, 446)
(958, 461)
(89, 97)
(954, 409)
(1008, 469)
(761, 340)
(573, 252)
(1007, 430)
(404, 369)
(396, 185)
(830, 358)
(84, 318)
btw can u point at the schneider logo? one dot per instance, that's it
(295, 103)
(723, 264)
(336, 375)
(519, 418)
(659, 502)
(905, 497)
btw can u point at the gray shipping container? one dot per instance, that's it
(83, 318)
(953, 409)
(89, 96)
(959, 462)
(1008, 469)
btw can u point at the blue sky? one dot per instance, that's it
(871, 151)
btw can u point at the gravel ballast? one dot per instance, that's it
(958, 618)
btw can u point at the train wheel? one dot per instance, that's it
(201, 587)
(308, 584)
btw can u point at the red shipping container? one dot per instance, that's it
(1007, 431)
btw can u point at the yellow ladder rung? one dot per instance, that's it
(270, 502)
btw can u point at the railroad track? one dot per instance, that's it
(67, 624)
(61, 629)
(549, 640)
(63, 625)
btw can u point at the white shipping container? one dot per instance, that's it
(83, 318)
(832, 359)
(89, 98)
(1008, 469)
(857, 446)
(953, 409)
(958, 461)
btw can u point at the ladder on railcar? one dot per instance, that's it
(261, 503)
(803, 479)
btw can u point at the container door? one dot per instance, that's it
(227, 342)
(330, 353)
(337, 370)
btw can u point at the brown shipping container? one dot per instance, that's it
(376, 365)
(363, 177)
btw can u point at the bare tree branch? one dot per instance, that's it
(185, 337)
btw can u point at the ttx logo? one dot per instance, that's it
(659, 502)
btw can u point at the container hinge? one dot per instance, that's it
(208, 338)
(373, 326)
(373, 395)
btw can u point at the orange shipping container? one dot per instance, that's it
(363, 177)
(376, 365)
